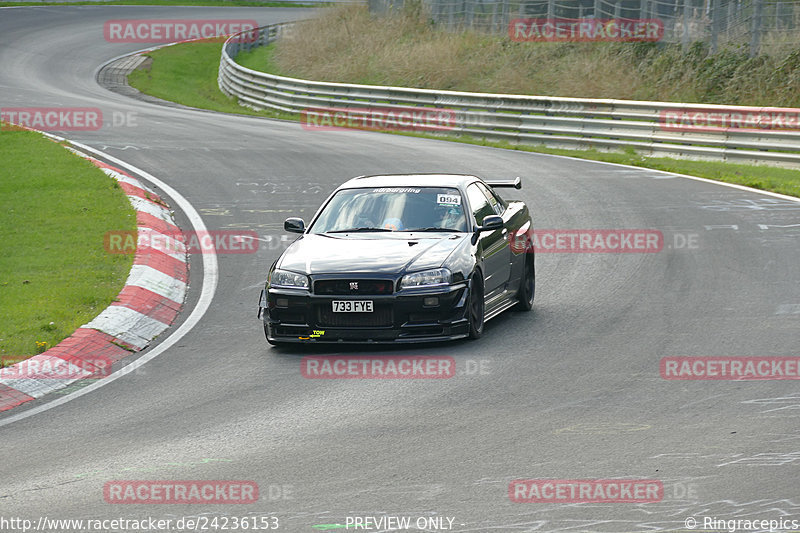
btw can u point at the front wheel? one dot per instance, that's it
(527, 286)
(476, 306)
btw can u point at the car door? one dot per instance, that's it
(496, 250)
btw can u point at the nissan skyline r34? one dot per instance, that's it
(402, 258)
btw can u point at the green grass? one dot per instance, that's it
(219, 3)
(187, 73)
(261, 59)
(55, 274)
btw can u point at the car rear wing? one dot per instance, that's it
(516, 183)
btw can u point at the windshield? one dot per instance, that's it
(393, 209)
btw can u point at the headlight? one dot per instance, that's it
(427, 278)
(284, 278)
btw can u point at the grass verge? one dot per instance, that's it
(187, 74)
(55, 274)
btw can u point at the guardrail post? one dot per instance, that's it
(687, 10)
(716, 22)
(755, 31)
(597, 9)
(551, 9)
(434, 10)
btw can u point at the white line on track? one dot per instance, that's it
(210, 278)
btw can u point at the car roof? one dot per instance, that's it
(411, 180)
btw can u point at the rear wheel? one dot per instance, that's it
(476, 306)
(527, 287)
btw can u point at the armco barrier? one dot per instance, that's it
(573, 123)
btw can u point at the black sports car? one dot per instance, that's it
(402, 258)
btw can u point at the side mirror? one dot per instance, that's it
(491, 223)
(296, 225)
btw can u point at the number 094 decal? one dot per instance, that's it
(448, 199)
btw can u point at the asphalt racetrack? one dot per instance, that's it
(572, 391)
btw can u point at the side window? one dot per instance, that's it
(494, 201)
(479, 203)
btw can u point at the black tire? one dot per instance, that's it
(527, 288)
(266, 334)
(476, 306)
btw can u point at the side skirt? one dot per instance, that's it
(502, 302)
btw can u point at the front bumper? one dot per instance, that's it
(401, 317)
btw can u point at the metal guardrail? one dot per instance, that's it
(572, 123)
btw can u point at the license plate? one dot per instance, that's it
(352, 306)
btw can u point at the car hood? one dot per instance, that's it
(378, 253)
